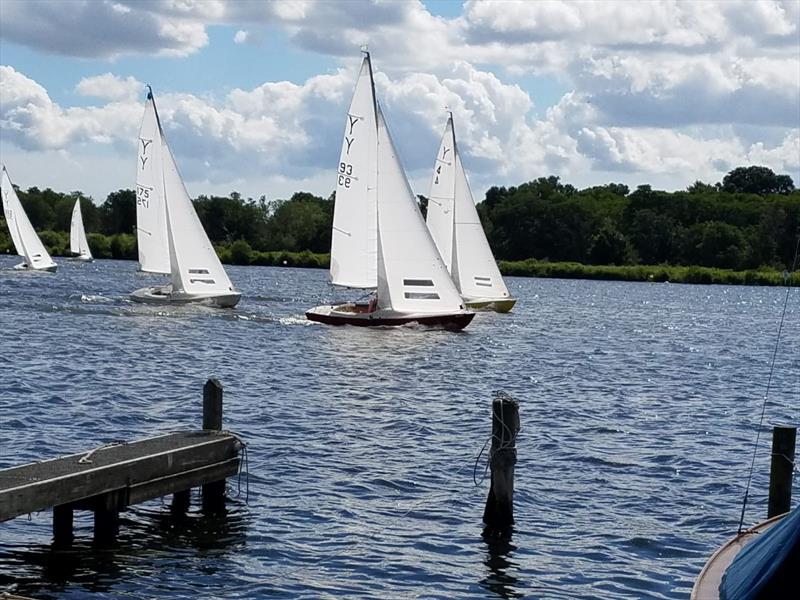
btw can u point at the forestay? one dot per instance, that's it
(78, 244)
(411, 275)
(195, 266)
(151, 216)
(26, 241)
(354, 235)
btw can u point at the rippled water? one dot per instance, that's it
(639, 405)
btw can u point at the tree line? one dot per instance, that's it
(749, 220)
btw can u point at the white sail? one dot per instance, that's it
(455, 226)
(195, 266)
(442, 196)
(78, 244)
(354, 235)
(474, 268)
(411, 274)
(26, 241)
(151, 216)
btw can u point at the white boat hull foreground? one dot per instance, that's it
(365, 315)
(165, 295)
(501, 305)
(24, 267)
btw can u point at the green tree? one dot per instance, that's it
(757, 180)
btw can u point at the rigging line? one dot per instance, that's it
(769, 383)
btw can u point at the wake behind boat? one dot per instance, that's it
(456, 228)
(23, 235)
(170, 236)
(379, 238)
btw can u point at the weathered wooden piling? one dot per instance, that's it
(214, 492)
(781, 470)
(498, 515)
(108, 479)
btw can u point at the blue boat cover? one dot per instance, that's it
(769, 566)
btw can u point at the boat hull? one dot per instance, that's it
(706, 587)
(343, 315)
(81, 258)
(501, 305)
(158, 295)
(25, 267)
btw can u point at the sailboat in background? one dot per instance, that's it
(379, 238)
(26, 242)
(78, 244)
(171, 238)
(456, 228)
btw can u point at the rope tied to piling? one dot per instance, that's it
(506, 440)
(86, 458)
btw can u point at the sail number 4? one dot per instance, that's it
(345, 173)
(143, 195)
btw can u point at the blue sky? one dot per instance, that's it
(253, 95)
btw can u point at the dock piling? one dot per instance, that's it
(781, 470)
(63, 535)
(498, 515)
(213, 500)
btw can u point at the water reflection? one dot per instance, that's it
(148, 537)
(500, 577)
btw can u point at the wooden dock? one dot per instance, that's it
(108, 479)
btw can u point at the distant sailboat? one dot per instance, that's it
(379, 238)
(456, 228)
(26, 242)
(171, 238)
(78, 244)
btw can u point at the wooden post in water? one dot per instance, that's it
(781, 469)
(63, 535)
(106, 515)
(214, 492)
(498, 515)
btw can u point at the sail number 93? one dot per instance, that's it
(345, 171)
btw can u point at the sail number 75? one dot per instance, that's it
(143, 196)
(345, 171)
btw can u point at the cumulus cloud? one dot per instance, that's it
(110, 87)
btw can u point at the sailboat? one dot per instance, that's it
(170, 236)
(78, 244)
(379, 238)
(26, 242)
(456, 228)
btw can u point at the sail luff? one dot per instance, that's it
(441, 198)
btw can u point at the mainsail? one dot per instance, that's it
(354, 236)
(151, 216)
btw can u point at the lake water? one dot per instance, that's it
(639, 410)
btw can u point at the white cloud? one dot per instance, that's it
(110, 87)
(241, 36)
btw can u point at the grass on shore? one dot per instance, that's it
(123, 246)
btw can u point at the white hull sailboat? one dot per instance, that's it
(456, 228)
(23, 235)
(379, 238)
(170, 236)
(78, 244)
